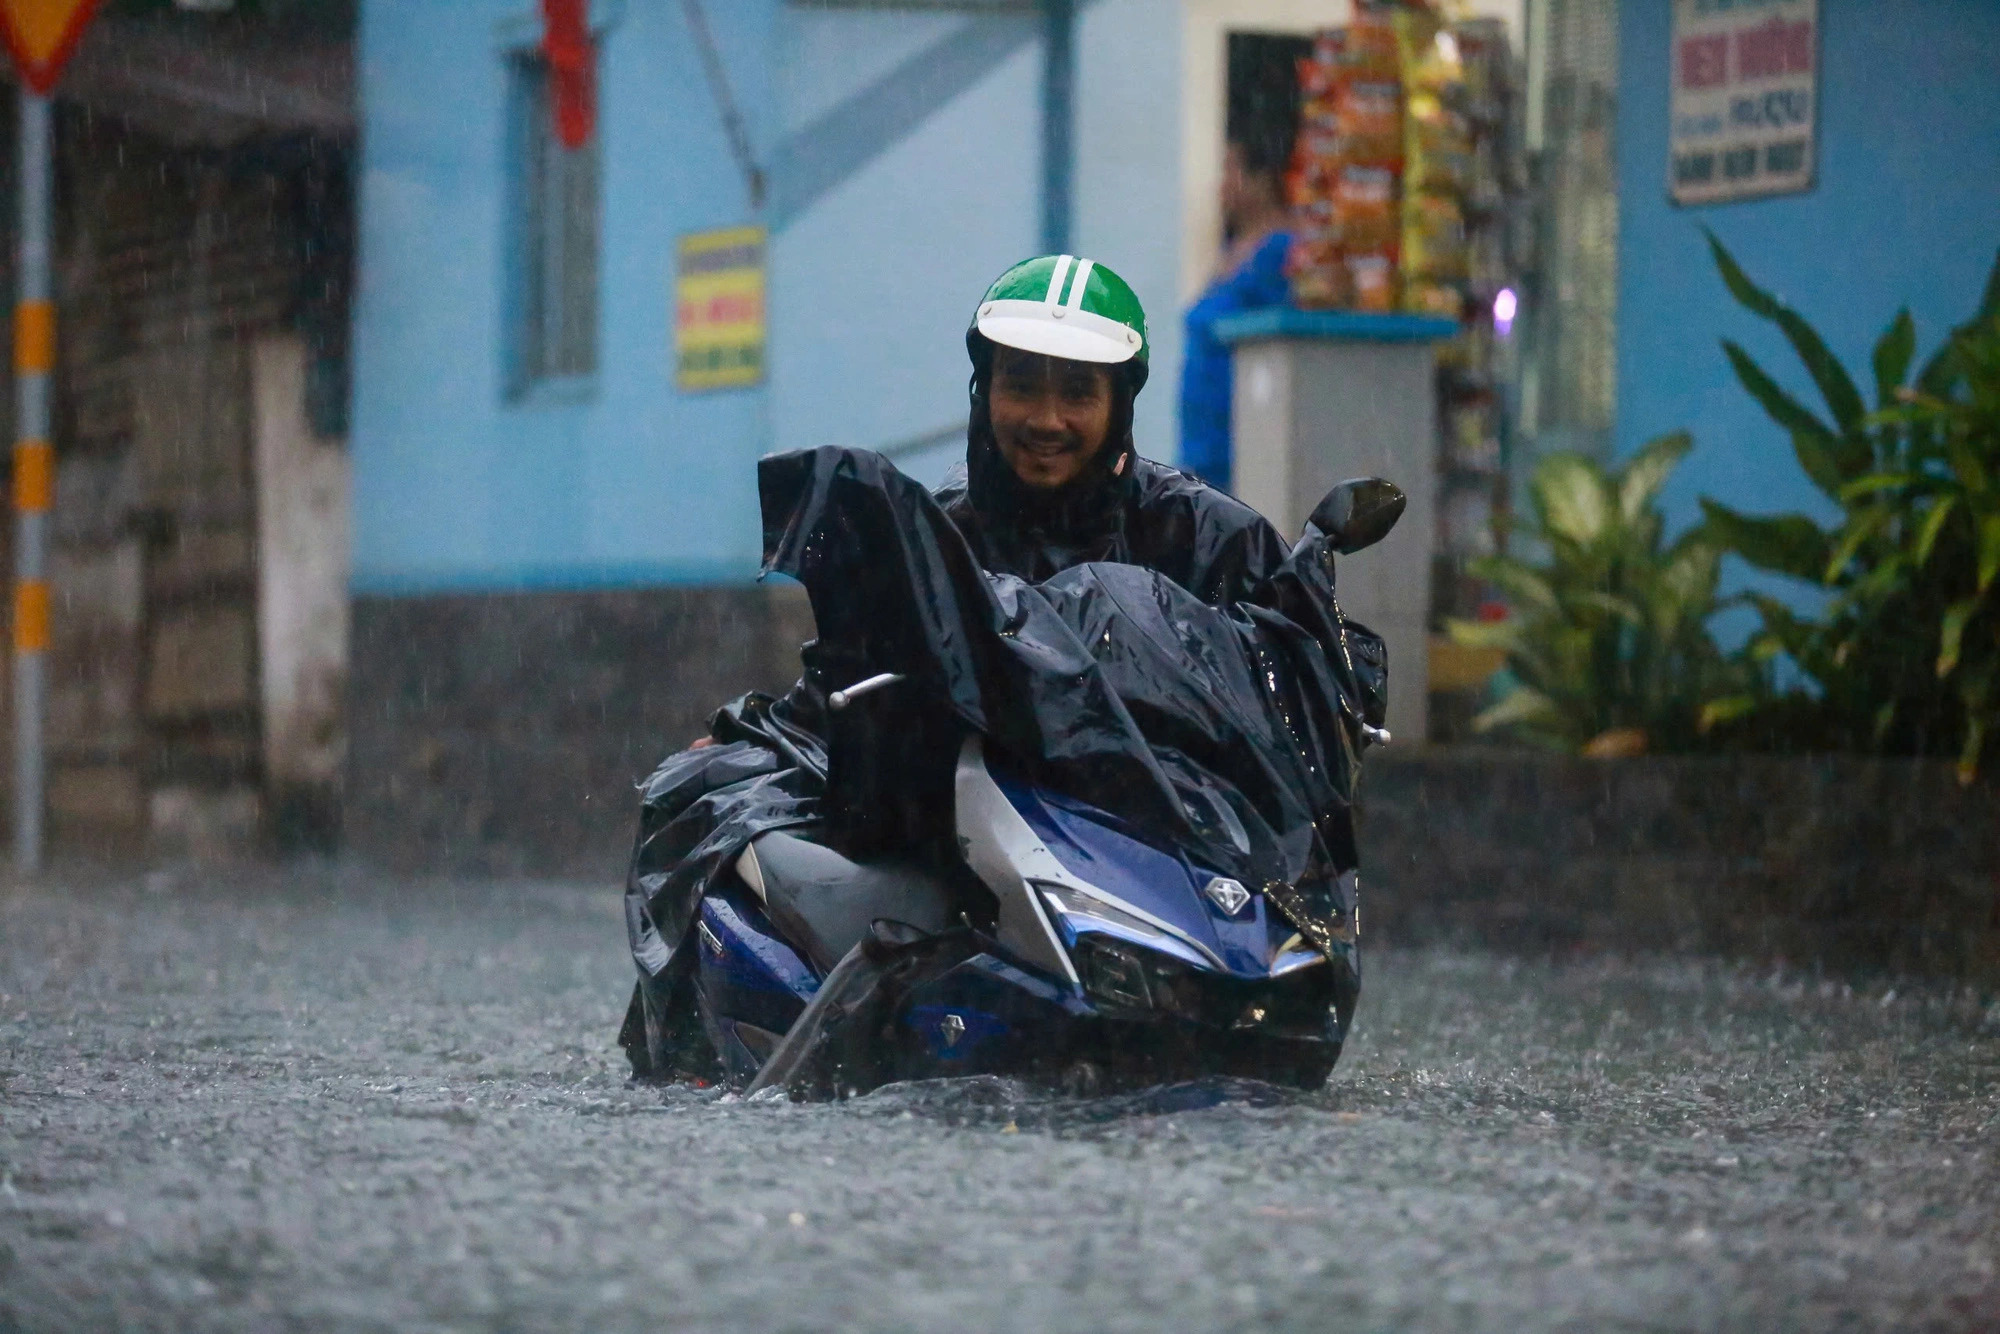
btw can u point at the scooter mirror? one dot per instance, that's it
(1359, 513)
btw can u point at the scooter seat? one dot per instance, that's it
(824, 903)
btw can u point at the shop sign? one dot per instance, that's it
(719, 310)
(1745, 99)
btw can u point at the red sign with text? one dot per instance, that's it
(1745, 99)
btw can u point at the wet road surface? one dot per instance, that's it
(321, 1101)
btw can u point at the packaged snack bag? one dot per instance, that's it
(1433, 239)
(1369, 50)
(1374, 281)
(1368, 124)
(1363, 209)
(1428, 298)
(1437, 149)
(1318, 276)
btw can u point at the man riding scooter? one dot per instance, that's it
(1051, 477)
(1052, 480)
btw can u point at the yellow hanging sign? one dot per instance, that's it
(719, 310)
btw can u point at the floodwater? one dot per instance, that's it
(326, 1101)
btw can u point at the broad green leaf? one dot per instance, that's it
(1885, 718)
(1975, 687)
(1525, 587)
(1818, 459)
(1933, 524)
(1727, 709)
(1520, 708)
(1786, 543)
(1873, 482)
(1965, 462)
(1856, 532)
(1943, 369)
(1968, 754)
(1689, 573)
(1989, 550)
(1752, 297)
(1989, 300)
(1782, 408)
(1622, 608)
(1952, 633)
(1892, 357)
(1648, 470)
(1842, 398)
(1571, 492)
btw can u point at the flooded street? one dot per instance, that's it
(334, 1102)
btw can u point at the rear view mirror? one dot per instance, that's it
(1359, 513)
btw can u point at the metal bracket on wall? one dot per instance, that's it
(725, 102)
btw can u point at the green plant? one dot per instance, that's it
(1905, 657)
(1608, 636)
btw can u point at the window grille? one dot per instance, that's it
(555, 267)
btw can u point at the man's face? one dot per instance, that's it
(1050, 416)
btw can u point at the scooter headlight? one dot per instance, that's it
(1113, 974)
(1082, 917)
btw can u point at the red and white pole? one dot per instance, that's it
(34, 476)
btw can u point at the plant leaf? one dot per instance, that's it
(1892, 357)
(1842, 398)
(1782, 408)
(1727, 709)
(1873, 482)
(1521, 707)
(1622, 608)
(1967, 464)
(1752, 297)
(1573, 496)
(1786, 543)
(1648, 471)
(1524, 585)
(1817, 458)
(1989, 550)
(1968, 755)
(1943, 368)
(1689, 575)
(1933, 524)
(1952, 632)
(1857, 531)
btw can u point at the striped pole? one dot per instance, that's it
(34, 478)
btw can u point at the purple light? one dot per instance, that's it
(1505, 306)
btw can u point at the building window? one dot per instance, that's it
(555, 247)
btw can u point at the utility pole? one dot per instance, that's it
(40, 35)
(34, 475)
(1058, 122)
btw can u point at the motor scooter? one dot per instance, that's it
(1049, 937)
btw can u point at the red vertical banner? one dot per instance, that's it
(572, 69)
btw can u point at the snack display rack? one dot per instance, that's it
(1408, 192)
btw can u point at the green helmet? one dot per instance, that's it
(1063, 306)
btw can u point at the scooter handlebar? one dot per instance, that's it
(840, 699)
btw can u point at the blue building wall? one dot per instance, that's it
(902, 151)
(1906, 211)
(874, 276)
(627, 482)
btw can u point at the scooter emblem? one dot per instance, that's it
(1228, 895)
